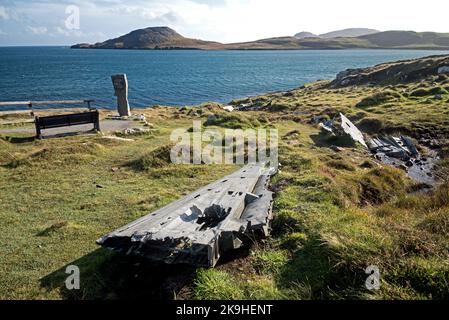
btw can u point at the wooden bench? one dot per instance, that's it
(49, 122)
(65, 120)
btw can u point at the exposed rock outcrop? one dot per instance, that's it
(393, 72)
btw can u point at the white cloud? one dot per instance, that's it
(3, 13)
(76, 33)
(37, 30)
(67, 33)
(222, 20)
(241, 20)
(157, 12)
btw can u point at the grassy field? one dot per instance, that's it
(337, 210)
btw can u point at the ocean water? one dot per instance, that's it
(178, 78)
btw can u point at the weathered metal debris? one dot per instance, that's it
(198, 228)
(228, 108)
(346, 127)
(402, 153)
(350, 129)
(396, 147)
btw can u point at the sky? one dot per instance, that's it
(66, 22)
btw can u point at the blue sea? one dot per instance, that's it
(178, 78)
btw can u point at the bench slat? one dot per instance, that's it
(67, 120)
(24, 103)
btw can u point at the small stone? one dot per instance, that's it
(228, 108)
(337, 149)
(443, 69)
(128, 131)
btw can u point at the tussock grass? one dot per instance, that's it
(65, 193)
(157, 158)
(379, 98)
(233, 121)
(423, 92)
(333, 218)
(219, 285)
(336, 211)
(75, 153)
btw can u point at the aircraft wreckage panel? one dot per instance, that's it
(203, 224)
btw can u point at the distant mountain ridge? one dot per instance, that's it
(305, 34)
(350, 33)
(165, 38)
(345, 33)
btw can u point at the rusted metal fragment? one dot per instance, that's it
(199, 227)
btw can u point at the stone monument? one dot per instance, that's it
(120, 83)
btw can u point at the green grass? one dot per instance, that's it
(379, 98)
(337, 210)
(336, 214)
(60, 195)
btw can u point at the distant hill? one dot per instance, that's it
(166, 38)
(280, 43)
(408, 39)
(152, 38)
(305, 34)
(348, 33)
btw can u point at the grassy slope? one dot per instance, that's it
(336, 212)
(52, 210)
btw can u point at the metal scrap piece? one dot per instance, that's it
(199, 227)
(350, 129)
(396, 147)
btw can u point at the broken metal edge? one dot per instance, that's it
(255, 218)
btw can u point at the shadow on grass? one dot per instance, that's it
(326, 140)
(315, 265)
(18, 140)
(108, 275)
(69, 134)
(26, 139)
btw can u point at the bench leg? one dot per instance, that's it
(38, 129)
(97, 123)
